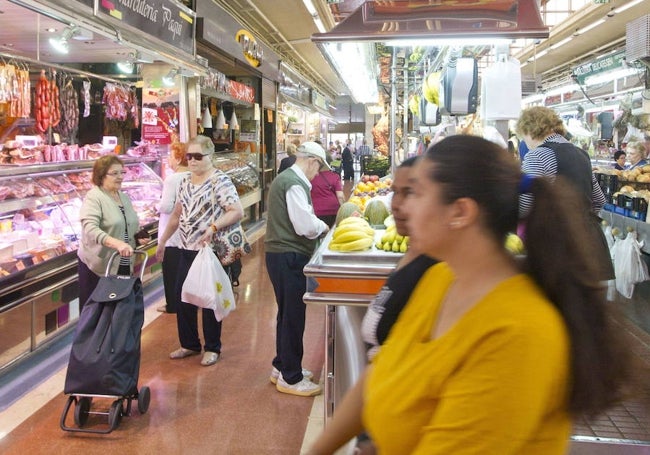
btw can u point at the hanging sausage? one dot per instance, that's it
(42, 103)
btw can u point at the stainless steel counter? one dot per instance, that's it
(345, 283)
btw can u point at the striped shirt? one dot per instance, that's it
(541, 161)
(365, 150)
(201, 205)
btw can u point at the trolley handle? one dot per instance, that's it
(135, 253)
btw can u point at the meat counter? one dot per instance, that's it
(39, 232)
(241, 167)
(345, 283)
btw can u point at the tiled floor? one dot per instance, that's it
(229, 408)
(630, 420)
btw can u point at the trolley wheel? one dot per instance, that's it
(115, 414)
(144, 397)
(81, 411)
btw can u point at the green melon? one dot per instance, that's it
(376, 212)
(346, 210)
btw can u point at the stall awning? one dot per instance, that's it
(412, 19)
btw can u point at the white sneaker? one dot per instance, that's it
(304, 388)
(181, 353)
(275, 373)
(209, 358)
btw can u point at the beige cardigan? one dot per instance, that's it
(100, 217)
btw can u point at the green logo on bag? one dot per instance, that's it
(226, 304)
(219, 286)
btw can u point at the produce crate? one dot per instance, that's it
(371, 165)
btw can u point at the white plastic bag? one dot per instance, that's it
(628, 264)
(207, 285)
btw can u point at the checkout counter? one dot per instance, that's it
(345, 283)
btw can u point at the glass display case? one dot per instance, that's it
(243, 171)
(39, 210)
(39, 232)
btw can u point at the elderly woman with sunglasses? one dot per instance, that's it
(108, 224)
(206, 201)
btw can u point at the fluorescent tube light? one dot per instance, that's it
(355, 63)
(561, 43)
(310, 7)
(563, 89)
(449, 42)
(610, 76)
(541, 54)
(590, 26)
(629, 5)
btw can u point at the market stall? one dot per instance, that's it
(345, 283)
(39, 235)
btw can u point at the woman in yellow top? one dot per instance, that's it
(491, 355)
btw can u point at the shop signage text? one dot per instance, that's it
(167, 20)
(318, 100)
(218, 82)
(241, 91)
(294, 89)
(601, 65)
(251, 50)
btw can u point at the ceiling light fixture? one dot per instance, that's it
(234, 124)
(355, 63)
(128, 65)
(60, 44)
(561, 43)
(589, 27)
(315, 16)
(629, 5)
(168, 79)
(429, 42)
(610, 76)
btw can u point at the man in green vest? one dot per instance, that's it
(292, 234)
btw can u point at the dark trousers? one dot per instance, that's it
(289, 284)
(327, 219)
(170, 276)
(348, 171)
(187, 314)
(87, 282)
(233, 270)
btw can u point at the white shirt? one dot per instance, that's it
(301, 212)
(167, 203)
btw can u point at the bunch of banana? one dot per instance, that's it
(352, 234)
(392, 241)
(431, 87)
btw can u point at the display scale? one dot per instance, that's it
(345, 283)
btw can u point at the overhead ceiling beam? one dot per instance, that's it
(259, 24)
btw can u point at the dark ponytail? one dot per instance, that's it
(560, 259)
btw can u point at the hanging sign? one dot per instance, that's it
(241, 91)
(160, 106)
(251, 50)
(600, 65)
(167, 20)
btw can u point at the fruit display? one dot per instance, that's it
(514, 244)
(375, 212)
(372, 186)
(392, 241)
(346, 210)
(352, 234)
(431, 87)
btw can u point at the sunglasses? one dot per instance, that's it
(195, 156)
